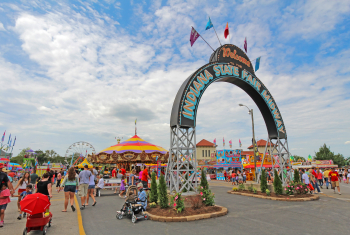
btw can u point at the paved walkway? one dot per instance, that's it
(246, 215)
(62, 223)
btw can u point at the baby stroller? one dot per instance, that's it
(132, 208)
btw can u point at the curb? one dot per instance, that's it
(313, 198)
(80, 219)
(223, 212)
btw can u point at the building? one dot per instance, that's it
(261, 147)
(4, 154)
(205, 150)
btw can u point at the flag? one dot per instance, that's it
(291, 158)
(209, 24)
(194, 36)
(309, 158)
(245, 45)
(214, 141)
(3, 137)
(14, 142)
(240, 144)
(9, 139)
(226, 33)
(257, 64)
(223, 140)
(230, 142)
(135, 121)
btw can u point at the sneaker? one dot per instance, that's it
(320, 192)
(315, 192)
(327, 187)
(19, 217)
(1, 224)
(339, 193)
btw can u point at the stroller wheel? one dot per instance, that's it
(119, 216)
(25, 231)
(50, 222)
(134, 219)
(44, 230)
(146, 217)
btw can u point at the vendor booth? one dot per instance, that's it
(84, 163)
(248, 164)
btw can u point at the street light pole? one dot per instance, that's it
(254, 143)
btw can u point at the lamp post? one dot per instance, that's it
(250, 111)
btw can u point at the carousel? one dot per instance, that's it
(134, 151)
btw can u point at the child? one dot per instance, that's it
(122, 186)
(22, 196)
(100, 185)
(4, 200)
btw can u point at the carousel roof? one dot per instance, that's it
(134, 144)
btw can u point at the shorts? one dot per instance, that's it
(3, 206)
(70, 188)
(91, 186)
(83, 190)
(58, 183)
(21, 191)
(335, 184)
(233, 179)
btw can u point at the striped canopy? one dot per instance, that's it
(135, 144)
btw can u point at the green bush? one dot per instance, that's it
(205, 192)
(204, 182)
(162, 193)
(152, 205)
(263, 182)
(154, 193)
(277, 184)
(296, 176)
(268, 193)
(235, 189)
(241, 187)
(255, 191)
(178, 202)
(250, 188)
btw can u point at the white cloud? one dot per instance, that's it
(347, 142)
(2, 28)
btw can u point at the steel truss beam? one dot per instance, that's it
(283, 159)
(182, 163)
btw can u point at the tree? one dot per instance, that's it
(297, 158)
(296, 176)
(19, 158)
(41, 156)
(204, 182)
(277, 184)
(324, 153)
(162, 194)
(154, 193)
(51, 153)
(263, 182)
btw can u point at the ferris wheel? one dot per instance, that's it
(82, 148)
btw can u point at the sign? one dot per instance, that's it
(227, 64)
(228, 158)
(220, 176)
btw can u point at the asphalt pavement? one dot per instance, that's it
(247, 215)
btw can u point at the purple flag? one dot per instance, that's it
(245, 45)
(194, 36)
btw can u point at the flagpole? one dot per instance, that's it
(217, 35)
(206, 42)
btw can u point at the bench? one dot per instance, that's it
(115, 183)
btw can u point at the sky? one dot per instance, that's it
(85, 70)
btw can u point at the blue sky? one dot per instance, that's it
(84, 70)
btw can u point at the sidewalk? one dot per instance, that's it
(62, 223)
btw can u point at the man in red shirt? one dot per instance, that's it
(145, 177)
(123, 171)
(333, 175)
(114, 173)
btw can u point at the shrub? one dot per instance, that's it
(204, 182)
(206, 194)
(178, 202)
(277, 184)
(296, 188)
(268, 193)
(154, 193)
(152, 205)
(255, 191)
(241, 187)
(162, 193)
(250, 188)
(196, 201)
(235, 189)
(263, 182)
(296, 176)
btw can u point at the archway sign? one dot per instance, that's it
(227, 64)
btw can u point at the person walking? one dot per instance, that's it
(122, 186)
(320, 178)
(4, 199)
(58, 183)
(84, 179)
(100, 185)
(33, 177)
(69, 185)
(145, 177)
(313, 181)
(132, 179)
(22, 185)
(326, 176)
(306, 180)
(334, 179)
(91, 189)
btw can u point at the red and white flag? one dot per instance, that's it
(194, 36)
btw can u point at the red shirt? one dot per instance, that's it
(114, 173)
(123, 171)
(314, 173)
(334, 175)
(144, 175)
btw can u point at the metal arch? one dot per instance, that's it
(182, 162)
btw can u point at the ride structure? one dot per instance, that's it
(227, 63)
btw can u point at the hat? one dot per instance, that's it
(139, 185)
(1, 165)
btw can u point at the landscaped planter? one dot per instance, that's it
(296, 198)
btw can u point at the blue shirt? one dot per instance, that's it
(84, 177)
(143, 197)
(25, 193)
